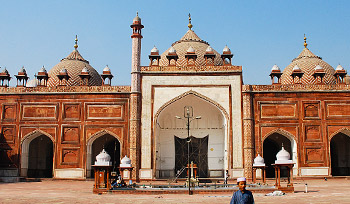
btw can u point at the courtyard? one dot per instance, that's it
(332, 190)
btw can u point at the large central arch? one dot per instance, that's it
(213, 125)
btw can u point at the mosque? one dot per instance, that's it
(55, 125)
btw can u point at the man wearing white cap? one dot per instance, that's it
(242, 196)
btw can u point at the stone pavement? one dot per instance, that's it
(334, 190)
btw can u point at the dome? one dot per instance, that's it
(32, 83)
(318, 68)
(190, 39)
(172, 50)
(63, 71)
(296, 68)
(137, 18)
(307, 61)
(22, 70)
(4, 71)
(275, 68)
(84, 70)
(190, 49)
(103, 159)
(259, 161)
(339, 67)
(154, 49)
(209, 49)
(226, 49)
(74, 63)
(283, 157)
(125, 162)
(282, 154)
(43, 70)
(106, 69)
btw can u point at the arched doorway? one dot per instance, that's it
(95, 145)
(208, 146)
(37, 156)
(340, 155)
(271, 146)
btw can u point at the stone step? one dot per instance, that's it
(9, 179)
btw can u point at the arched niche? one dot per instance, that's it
(213, 124)
(103, 139)
(340, 153)
(37, 154)
(272, 144)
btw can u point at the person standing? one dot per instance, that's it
(242, 196)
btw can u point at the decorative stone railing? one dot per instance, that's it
(296, 87)
(191, 69)
(66, 89)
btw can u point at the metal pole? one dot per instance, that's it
(188, 152)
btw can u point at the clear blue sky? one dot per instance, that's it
(260, 33)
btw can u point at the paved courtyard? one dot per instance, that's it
(335, 190)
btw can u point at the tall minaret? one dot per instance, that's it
(135, 98)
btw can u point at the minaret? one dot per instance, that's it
(135, 98)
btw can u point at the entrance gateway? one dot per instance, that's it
(207, 146)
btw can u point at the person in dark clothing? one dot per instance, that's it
(242, 196)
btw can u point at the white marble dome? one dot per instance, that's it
(103, 159)
(318, 68)
(190, 49)
(275, 68)
(283, 157)
(106, 69)
(154, 49)
(125, 162)
(226, 49)
(339, 67)
(259, 161)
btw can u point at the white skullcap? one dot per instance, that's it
(241, 179)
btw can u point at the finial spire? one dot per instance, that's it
(189, 22)
(76, 42)
(305, 44)
(137, 13)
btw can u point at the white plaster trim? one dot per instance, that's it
(314, 171)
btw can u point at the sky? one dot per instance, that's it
(260, 33)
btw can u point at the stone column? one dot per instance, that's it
(248, 131)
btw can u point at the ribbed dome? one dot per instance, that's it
(307, 62)
(74, 63)
(190, 39)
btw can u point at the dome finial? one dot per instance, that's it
(76, 42)
(305, 44)
(189, 22)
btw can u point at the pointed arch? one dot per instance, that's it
(191, 92)
(345, 131)
(25, 142)
(294, 145)
(36, 133)
(89, 143)
(280, 131)
(100, 134)
(339, 155)
(164, 159)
